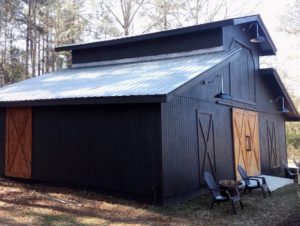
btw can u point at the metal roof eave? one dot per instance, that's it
(257, 18)
(87, 101)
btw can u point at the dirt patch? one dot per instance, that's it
(39, 204)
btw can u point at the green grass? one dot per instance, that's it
(283, 205)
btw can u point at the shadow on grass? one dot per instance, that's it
(280, 207)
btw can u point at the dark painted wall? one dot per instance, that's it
(269, 115)
(183, 152)
(180, 43)
(252, 88)
(184, 149)
(112, 147)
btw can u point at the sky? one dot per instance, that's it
(288, 46)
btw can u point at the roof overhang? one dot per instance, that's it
(266, 48)
(272, 75)
(88, 101)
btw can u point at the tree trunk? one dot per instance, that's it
(28, 37)
(43, 54)
(39, 54)
(34, 40)
(47, 62)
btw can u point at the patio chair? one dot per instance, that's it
(297, 163)
(221, 195)
(253, 182)
(289, 172)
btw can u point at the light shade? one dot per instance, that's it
(282, 108)
(258, 38)
(223, 96)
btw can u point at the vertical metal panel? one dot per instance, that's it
(242, 77)
(172, 44)
(269, 113)
(244, 71)
(111, 147)
(181, 162)
(179, 119)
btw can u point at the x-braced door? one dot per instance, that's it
(18, 145)
(272, 144)
(206, 144)
(246, 141)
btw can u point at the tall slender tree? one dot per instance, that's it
(124, 12)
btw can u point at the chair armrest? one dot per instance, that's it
(257, 177)
(227, 193)
(254, 179)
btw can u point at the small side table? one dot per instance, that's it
(231, 185)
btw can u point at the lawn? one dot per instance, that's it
(39, 204)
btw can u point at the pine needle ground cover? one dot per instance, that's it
(39, 204)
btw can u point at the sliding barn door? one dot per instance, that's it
(18, 145)
(206, 144)
(272, 144)
(246, 141)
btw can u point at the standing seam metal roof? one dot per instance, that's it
(154, 77)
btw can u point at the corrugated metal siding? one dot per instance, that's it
(154, 77)
(112, 147)
(269, 112)
(179, 125)
(180, 138)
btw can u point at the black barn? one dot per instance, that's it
(143, 117)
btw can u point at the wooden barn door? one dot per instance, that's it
(206, 144)
(272, 144)
(246, 141)
(18, 145)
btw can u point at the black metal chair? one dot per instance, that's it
(297, 163)
(221, 195)
(289, 172)
(250, 186)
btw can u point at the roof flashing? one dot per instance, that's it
(149, 58)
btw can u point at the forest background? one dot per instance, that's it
(30, 29)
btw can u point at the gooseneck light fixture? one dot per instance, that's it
(222, 94)
(282, 108)
(258, 38)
